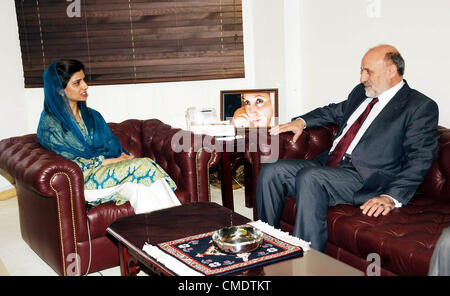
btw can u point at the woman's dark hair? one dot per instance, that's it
(66, 68)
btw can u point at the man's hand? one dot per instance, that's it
(295, 126)
(378, 205)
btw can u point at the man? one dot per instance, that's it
(384, 146)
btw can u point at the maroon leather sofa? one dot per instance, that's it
(404, 239)
(54, 218)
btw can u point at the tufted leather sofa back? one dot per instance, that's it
(155, 139)
(436, 185)
(130, 134)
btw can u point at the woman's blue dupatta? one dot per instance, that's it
(58, 129)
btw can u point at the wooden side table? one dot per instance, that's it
(233, 149)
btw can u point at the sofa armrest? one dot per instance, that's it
(184, 156)
(50, 191)
(45, 173)
(312, 142)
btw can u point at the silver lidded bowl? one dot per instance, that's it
(238, 239)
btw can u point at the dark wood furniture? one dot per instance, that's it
(233, 155)
(133, 232)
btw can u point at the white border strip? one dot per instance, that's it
(170, 262)
(284, 236)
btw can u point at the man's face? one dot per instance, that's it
(375, 74)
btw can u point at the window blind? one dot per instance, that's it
(133, 41)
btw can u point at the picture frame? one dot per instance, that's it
(250, 107)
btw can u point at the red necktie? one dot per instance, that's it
(340, 149)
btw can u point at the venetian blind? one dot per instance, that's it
(133, 41)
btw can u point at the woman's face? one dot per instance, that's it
(258, 107)
(76, 89)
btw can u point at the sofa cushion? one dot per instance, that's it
(404, 239)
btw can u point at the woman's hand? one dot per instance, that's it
(122, 157)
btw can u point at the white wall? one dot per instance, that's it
(268, 35)
(309, 49)
(332, 36)
(13, 113)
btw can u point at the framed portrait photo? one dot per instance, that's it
(250, 107)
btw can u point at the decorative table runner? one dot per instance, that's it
(198, 255)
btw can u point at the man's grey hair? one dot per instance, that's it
(396, 58)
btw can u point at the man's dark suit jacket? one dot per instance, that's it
(396, 151)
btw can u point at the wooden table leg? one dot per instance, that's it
(248, 184)
(226, 185)
(128, 266)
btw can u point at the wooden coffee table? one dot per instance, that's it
(132, 232)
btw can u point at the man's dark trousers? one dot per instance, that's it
(315, 188)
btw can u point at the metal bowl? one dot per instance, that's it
(238, 239)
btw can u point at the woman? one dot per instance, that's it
(68, 127)
(256, 111)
